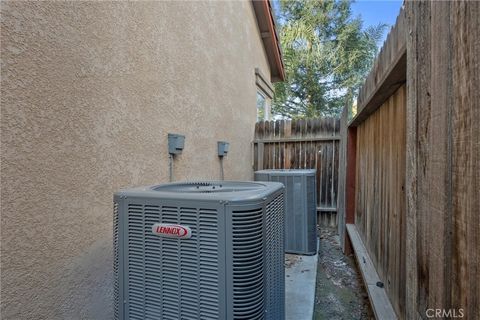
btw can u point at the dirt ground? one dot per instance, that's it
(340, 293)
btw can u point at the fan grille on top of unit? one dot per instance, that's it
(209, 187)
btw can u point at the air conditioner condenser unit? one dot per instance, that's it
(200, 250)
(300, 207)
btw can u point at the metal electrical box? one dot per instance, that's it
(300, 207)
(222, 148)
(176, 143)
(199, 250)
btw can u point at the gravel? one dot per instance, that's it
(340, 293)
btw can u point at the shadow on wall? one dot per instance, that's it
(90, 296)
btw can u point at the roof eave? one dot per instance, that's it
(266, 23)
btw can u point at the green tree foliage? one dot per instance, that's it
(327, 54)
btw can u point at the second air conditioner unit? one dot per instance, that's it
(300, 207)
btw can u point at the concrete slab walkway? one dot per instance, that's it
(300, 280)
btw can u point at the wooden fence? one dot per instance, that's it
(303, 144)
(380, 193)
(409, 199)
(374, 195)
(443, 157)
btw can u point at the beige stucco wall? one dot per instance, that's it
(89, 91)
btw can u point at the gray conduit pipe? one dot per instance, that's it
(221, 169)
(170, 167)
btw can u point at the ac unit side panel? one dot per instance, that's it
(300, 207)
(255, 259)
(245, 281)
(311, 207)
(118, 265)
(297, 196)
(274, 258)
(168, 276)
(295, 218)
(262, 176)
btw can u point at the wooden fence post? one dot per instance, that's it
(350, 183)
(342, 167)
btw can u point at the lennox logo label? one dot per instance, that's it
(172, 230)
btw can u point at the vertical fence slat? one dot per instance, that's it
(272, 151)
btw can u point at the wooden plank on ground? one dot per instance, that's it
(381, 305)
(384, 308)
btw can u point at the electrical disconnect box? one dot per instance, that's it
(222, 148)
(176, 142)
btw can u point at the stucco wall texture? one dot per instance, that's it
(89, 91)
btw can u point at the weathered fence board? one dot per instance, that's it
(342, 171)
(375, 155)
(387, 74)
(443, 171)
(303, 144)
(423, 239)
(380, 196)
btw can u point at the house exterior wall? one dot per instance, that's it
(89, 92)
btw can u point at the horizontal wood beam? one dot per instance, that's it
(388, 73)
(326, 209)
(393, 80)
(312, 139)
(381, 305)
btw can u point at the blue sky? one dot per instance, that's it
(374, 12)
